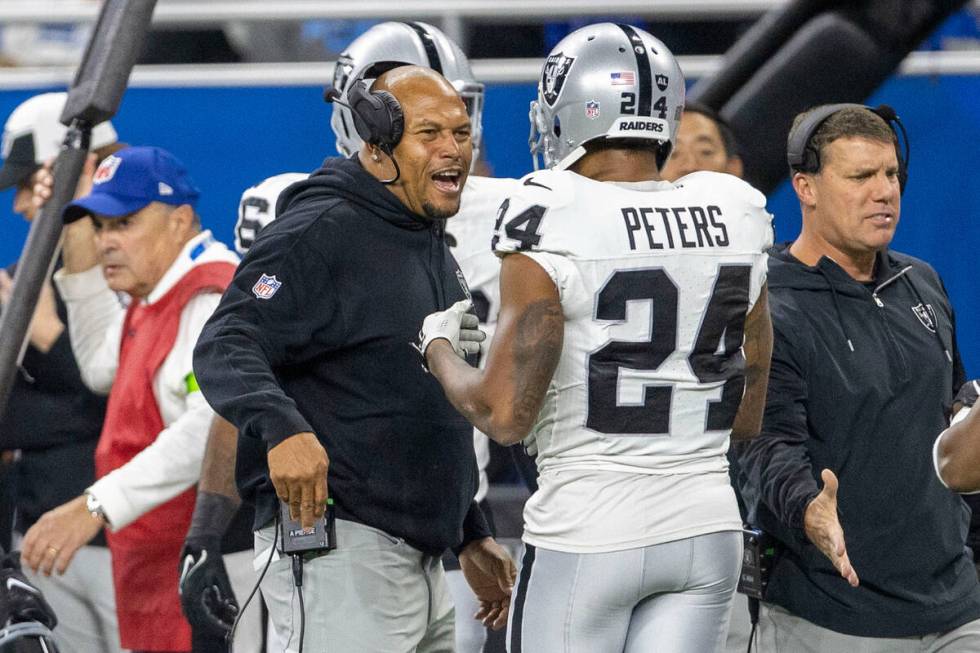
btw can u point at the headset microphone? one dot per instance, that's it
(333, 95)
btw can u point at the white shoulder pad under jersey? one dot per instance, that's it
(469, 233)
(257, 208)
(655, 280)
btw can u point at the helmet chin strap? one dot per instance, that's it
(570, 158)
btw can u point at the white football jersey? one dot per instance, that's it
(961, 415)
(655, 280)
(257, 208)
(469, 233)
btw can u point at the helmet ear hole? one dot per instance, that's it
(556, 128)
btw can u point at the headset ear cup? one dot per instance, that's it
(396, 119)
(357, 95)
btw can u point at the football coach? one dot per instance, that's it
(309, 352)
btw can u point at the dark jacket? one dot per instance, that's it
(55, 421)
(862, 382)
(329, 351)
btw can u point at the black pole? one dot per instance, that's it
(93, 98)
(752, 50)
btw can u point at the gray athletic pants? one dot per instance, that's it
(781, 631)
(373, 594)
(674, 597)
(84, 601)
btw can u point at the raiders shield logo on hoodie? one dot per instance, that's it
(926, 316)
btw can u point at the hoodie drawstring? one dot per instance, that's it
(840, 315)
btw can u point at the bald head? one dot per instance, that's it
(406, 80)
(435, 149)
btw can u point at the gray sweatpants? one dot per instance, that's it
(781, 631)
(674, 597)
(373, 594)
(83, 600)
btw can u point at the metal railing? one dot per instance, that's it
(491, 71)
(169, 12)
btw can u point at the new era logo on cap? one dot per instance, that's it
(132, 178)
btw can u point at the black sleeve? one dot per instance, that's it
(475, 527)
(775, 466)
(248, 338)
(959, 372)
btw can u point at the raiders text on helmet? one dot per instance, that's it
(605, 81)
(393, 44)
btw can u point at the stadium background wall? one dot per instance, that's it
(232, 137)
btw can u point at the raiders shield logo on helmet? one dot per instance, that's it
(555, 72)
(662, 82)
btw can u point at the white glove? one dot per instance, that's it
(454, 324)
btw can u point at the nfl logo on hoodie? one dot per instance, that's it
(266, 286)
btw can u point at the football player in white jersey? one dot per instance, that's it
(633, 340)
(257, 207)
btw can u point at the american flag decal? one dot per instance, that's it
(627, 78)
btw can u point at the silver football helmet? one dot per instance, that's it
(392, 44)
(605, 81)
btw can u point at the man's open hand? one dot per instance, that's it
(823, 527)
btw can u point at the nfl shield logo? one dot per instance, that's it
(266, 286)
(106, 170)
(662, 81)
(555, 71)
(926, 316)
(592, 109)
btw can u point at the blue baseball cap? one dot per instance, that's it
(128, 180)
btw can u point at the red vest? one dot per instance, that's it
(145, 553)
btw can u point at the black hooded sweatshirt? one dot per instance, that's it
(862, 381)
(314, 334)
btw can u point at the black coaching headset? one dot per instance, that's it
(804, 157)
(378, 118)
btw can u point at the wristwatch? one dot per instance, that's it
(94, 507)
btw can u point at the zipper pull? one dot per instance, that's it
(880, 303)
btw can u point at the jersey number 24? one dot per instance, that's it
(724, 317)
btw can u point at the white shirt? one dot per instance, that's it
(652, 277)
(471, 230)
(172, 463)
(957, 418)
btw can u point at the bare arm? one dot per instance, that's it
(758, 356)
(504, 399)
(958, 454)
(218, 468)
(217, 495)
